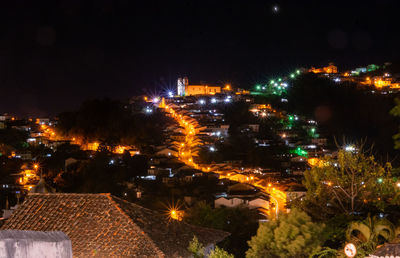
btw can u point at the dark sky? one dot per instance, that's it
(55, 54)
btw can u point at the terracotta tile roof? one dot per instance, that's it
(172, 237)
(107, 226)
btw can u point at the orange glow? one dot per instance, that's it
(162, 103)
(227, 87)
(176, 214)
(93, 146)
(186, 150)
(120, 149)
(379, 83)
(327, 69)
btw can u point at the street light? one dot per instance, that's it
(276, 205)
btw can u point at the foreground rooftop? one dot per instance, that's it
(105, 225)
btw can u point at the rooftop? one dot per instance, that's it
(105, 225)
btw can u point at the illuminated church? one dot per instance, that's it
(184, 89)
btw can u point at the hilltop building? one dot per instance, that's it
(184, 89)
(331, 68)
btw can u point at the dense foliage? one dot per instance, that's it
(112, 123)
(396, 112)
(12, 139)
(101, 174)
(291, 235)
(197, 250)
(367, 234)
(242, 223)
(350, 183)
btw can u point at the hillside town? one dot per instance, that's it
(217, 147)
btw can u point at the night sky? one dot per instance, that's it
(55, 54)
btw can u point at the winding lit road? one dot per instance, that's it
(188, 147)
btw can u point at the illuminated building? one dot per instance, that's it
(202, 90)
(27, 178)
(380, 81)
(359, 70)
(327, 69)
(182, 83)
(395, 85)
(372, 67)
(184, 89)
(93, 146)
(227, 87)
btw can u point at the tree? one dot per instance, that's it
(325, 252)
(111, 123)
(370, 232)
(396, 112)
(219, 253)
(242, 223)
(197, 250)
(13, 139)
(335, 230)
(350, 183)
(292, 235)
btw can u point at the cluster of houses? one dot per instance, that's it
(372, 75)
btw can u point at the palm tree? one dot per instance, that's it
(371, 231)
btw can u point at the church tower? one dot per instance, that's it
(182, 84)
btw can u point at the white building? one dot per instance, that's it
(182, 83)
(258, 202)
(167, 152)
